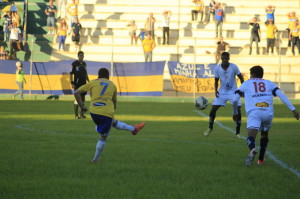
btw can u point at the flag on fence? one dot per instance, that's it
(190, 78)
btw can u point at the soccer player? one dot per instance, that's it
(80, 78)
(103, 104)
(258, 95)
(225, 72)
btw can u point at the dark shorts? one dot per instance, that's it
(103, 123)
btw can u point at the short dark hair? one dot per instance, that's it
(103, 73)
(257, 71)
(225, 54)
(80, 52)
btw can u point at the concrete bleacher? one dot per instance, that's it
(104, 29)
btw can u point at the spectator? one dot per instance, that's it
(219, 18)
(16, 18)
(294, 37)
(132, 31)
(292, 19)
(148, 46)
(3, 53)
(211, 10)
(149, 25)
(270, 10)
(7, 24)
(142, 35)
(62, 33)
(72, 10)
(50, 12)
(271, 30)
(222, 46)
(255, 34)
(198, 8)
(166, 26)
(76, 32)
(62, 9)
(20, 79)
(15, 37)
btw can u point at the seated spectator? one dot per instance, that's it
(132, 31)
(292, 19)
(76, 32)
(62, 33)
(222, 46)
(271, 30)
(3, 53)
(198, 8)
(270, 10)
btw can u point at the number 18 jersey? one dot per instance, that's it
(102, 92)
(258, 94)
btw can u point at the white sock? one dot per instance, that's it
(99, 148)
(122, 126)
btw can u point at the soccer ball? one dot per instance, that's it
(201, 103)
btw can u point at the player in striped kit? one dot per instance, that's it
(259, 94)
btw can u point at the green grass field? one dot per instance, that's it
(46, 153)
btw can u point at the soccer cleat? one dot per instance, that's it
(77, 117)
(82, 117)
(250, 158)
(138, 127)
(260, 162)
(207, 132)
(94, 161)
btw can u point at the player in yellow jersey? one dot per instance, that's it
(102, 107)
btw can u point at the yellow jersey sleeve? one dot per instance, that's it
(102, 92)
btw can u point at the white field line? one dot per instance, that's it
(270, 154)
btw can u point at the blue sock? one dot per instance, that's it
(251, 142)
(99, 148)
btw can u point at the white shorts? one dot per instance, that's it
(223, 98)
(259, 119)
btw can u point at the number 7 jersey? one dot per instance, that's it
(258, 94)
(102, 92)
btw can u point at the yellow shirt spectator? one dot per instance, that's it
(148, 45)
(271, 30)
(73, 8)
(295, 31)
(199, 5)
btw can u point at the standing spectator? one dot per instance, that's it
(149, 25)
(255, 34)
(80, 78)
(211, 10)
(225, 72)
(132, 32)
(271, 30)
(3, 53)
(219, 18)
(62, 33)
(270, 10)
(166, 26)
(15, 37)
(198, 8)
(72, 10)
(148, 46)
(50, 12)
(7, 24)
(62, 13)
(16, 18)
(222, 46)
(20, 79)
(292, 19)
(294, 37)
(76, 32)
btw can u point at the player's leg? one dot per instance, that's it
(123, 126)
(238, 122)
(212, 116)
(83, 100)
(264, 140)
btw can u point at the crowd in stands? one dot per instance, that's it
(61, 28)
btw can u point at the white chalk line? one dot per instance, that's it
(269, 153)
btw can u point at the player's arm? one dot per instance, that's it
(77, 95)
(235, 100)
(287, 102)
(216, 86)
(240, 76)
